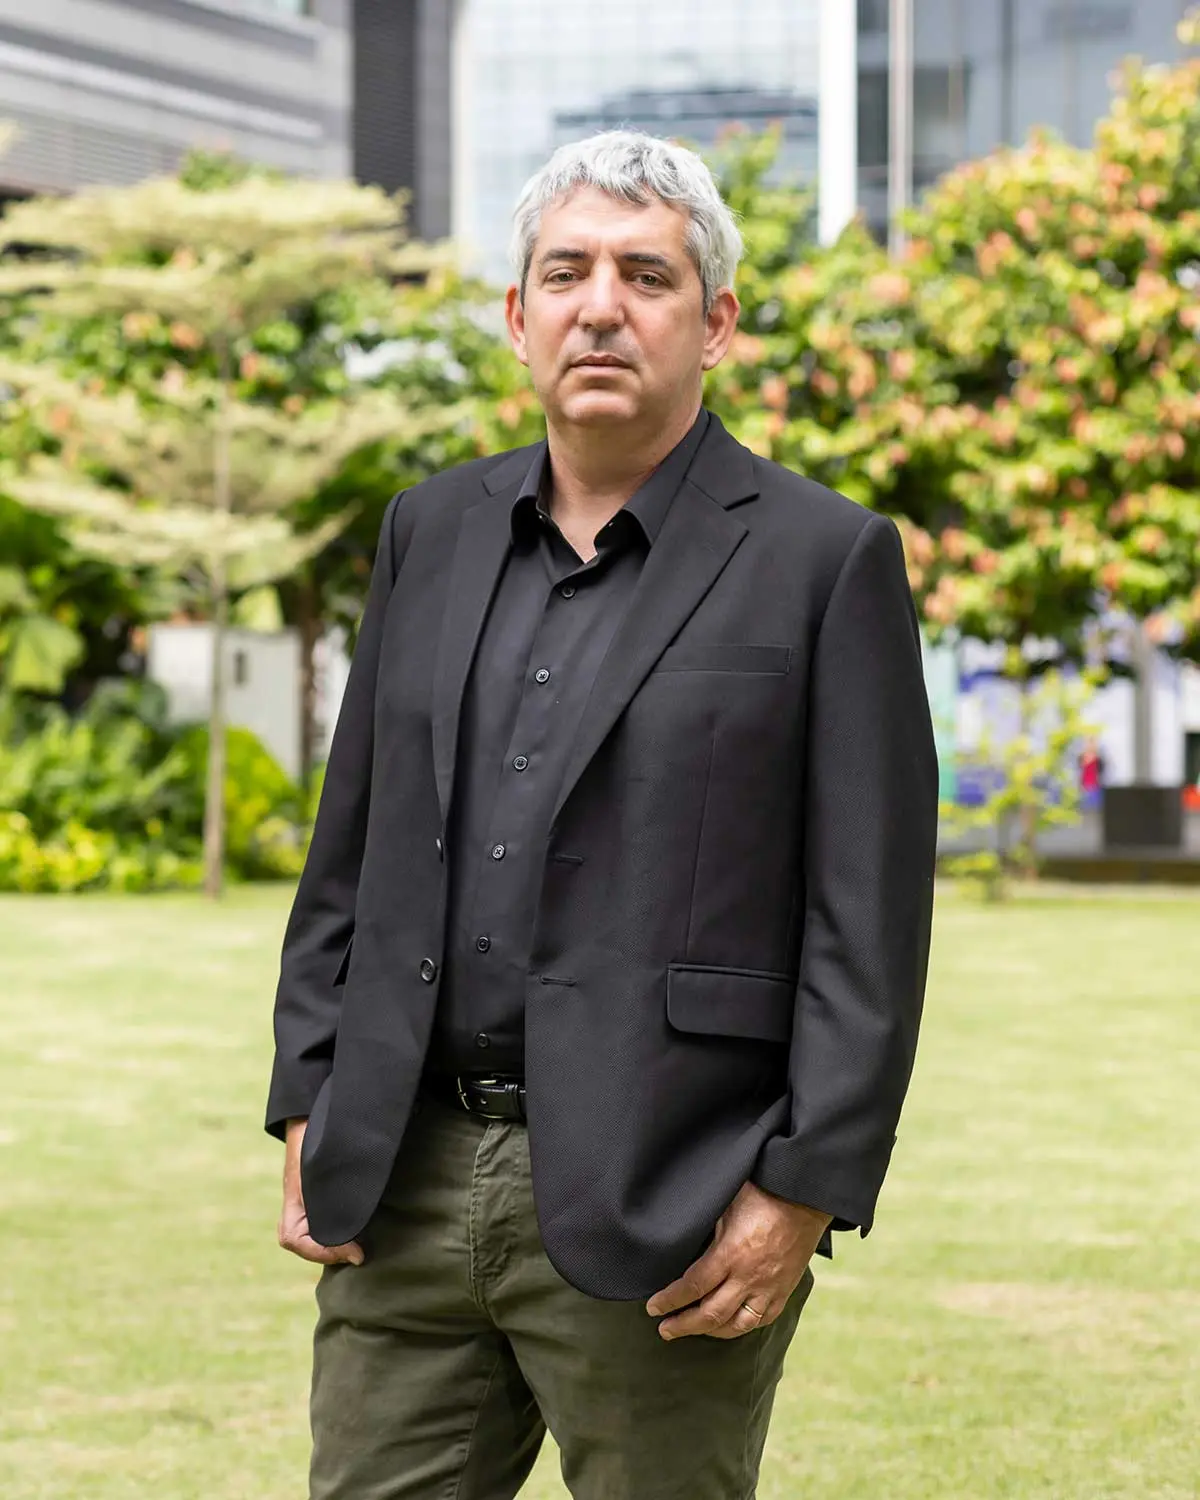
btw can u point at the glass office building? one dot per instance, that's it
(113, 91)
(982, 72)
(532, 74)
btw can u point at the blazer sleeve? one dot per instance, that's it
(870, 820)
(319, 929)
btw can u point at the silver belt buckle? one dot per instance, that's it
(483, 1114)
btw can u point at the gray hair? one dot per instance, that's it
(635, 168)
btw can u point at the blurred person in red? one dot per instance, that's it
(600, 992)
(1091, 772)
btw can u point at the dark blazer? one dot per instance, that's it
(730, 948)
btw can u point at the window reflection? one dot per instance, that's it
(281, 7)
(540, 73)
(986, 72)
(873, 114)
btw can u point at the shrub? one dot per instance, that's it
(265, 822)
(112, 798)
(1033, 782)
(78, 858)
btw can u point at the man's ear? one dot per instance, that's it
(720, 326)
(514, 316)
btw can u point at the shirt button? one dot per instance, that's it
(520, 763)
(483, 943)
(542, 674)
(567, 591)
(428, 970)
(482, 1039)
(498, 851)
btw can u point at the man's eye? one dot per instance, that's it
(560, 275)
(649, 278)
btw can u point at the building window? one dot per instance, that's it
(543, 73)
(1070, 20)
(872, 17)
(985, 74)
(281, 7)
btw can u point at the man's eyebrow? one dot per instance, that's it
(561, 252)
(648, 258)
(633, 257)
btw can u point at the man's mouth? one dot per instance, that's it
(603, 361)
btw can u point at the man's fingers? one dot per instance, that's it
(329, 1255)
(728, 1312)
(746, 1319)
(700, 1278)
(307, 1248)
(294, 1236)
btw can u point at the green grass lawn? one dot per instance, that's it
(1024, 1320)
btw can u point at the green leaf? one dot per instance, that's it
(15, 593)
(41, 652)
(259, 609)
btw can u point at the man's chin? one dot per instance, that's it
(598, 408)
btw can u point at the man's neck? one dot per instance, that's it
(593, 472)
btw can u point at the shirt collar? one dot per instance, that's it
(648, 505)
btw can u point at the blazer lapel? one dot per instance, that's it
(697, 539)
(479, 555)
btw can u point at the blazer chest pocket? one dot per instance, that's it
(753, 1003)
(720, 656)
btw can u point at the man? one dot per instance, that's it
(600, 992)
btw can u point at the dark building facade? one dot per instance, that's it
(403, 100)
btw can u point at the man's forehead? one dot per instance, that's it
(591, 219)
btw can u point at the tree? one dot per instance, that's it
(62, 617)
(1064, 284)
(832, 371)
(180, 469)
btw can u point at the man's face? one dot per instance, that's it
(612, 326)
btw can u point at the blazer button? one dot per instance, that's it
(440, 850)
(428, 970)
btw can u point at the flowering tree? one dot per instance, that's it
(1065, 285)
(832, 371)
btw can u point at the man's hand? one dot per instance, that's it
(293, 1221)
(743, 1280)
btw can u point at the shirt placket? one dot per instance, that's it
(519, 789)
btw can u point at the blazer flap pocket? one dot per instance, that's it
(343, 967)
(724, 656)
(731, 1002)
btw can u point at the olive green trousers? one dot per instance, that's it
(441, 1361)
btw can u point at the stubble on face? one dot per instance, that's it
(612, 324)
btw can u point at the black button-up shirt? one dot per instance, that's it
(550, 624)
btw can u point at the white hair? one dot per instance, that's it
(635, 168)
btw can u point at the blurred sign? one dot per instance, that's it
(1191, 697)
(941, 683)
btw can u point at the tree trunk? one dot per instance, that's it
(214, 793)
(1028, 869)
(308, 623)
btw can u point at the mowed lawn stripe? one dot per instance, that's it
(1024, 1320)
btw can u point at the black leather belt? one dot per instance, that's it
(491, 1096)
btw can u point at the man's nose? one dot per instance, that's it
(603, 308)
